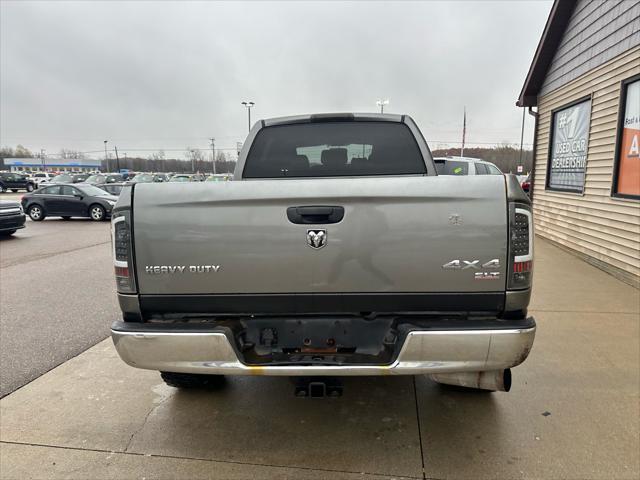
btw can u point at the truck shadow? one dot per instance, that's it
(463, 424)
(373, 427)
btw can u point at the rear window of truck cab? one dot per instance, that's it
(334, 149)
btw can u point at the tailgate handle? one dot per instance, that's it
(315, 215)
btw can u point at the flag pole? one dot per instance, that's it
(464, 130)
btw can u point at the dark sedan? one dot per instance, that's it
(66, 201)
(11, 217)
(100, 178)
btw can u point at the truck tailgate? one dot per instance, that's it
(405, 234)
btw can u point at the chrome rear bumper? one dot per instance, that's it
(423, 351)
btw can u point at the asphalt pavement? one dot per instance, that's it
(57, 295)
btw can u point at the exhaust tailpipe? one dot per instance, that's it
(493, 380)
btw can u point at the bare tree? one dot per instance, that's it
(159, 155)
(22, 152)
(196, 157)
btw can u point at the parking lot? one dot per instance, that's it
(53, 273)
(572, 411)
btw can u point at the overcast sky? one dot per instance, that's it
(164, 75)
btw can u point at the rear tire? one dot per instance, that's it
(36, 213)
(14, 190)
(66, 218)
(8, 233)
(3, 189)
(30, 187)
(193, 380)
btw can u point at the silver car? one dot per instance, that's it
(465, 166)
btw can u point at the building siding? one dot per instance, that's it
(598, 226)
(598, 31)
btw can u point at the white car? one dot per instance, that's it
(465, 166)
(39, 177)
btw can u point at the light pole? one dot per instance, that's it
(521, 144)
(117, 159)
(213, 153)
(382, 103)
(249, 105)
(193, 161)
(106, 159)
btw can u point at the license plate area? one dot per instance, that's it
(335, 340)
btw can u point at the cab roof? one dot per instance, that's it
(333, 117)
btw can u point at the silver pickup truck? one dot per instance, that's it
(336, 250)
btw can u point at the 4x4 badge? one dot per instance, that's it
(465, 264)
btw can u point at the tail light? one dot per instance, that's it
(520, 246)
(123, 252)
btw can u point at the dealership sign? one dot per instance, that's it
(570, 141)
(629, 151)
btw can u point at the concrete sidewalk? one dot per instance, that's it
(572, 411)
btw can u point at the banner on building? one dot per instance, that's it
(629, 150)
(569, 144)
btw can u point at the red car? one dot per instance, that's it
(526, 184)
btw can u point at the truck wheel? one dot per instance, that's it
(36, 213)
(193, 380)
(14, 190)
(3, 189)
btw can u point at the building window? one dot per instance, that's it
(626, 177)
(567, 163)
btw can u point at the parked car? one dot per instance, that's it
(161, 177)
(219, 177)
(465, 166)
(65, 178)
(112, 188)
(80, 177)
(40, 177)
(143, 178)
(525, 183)
(100, 178)
(183, 177)
(68, 200)
(15, 181)
(11, 217)
(379, 265)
